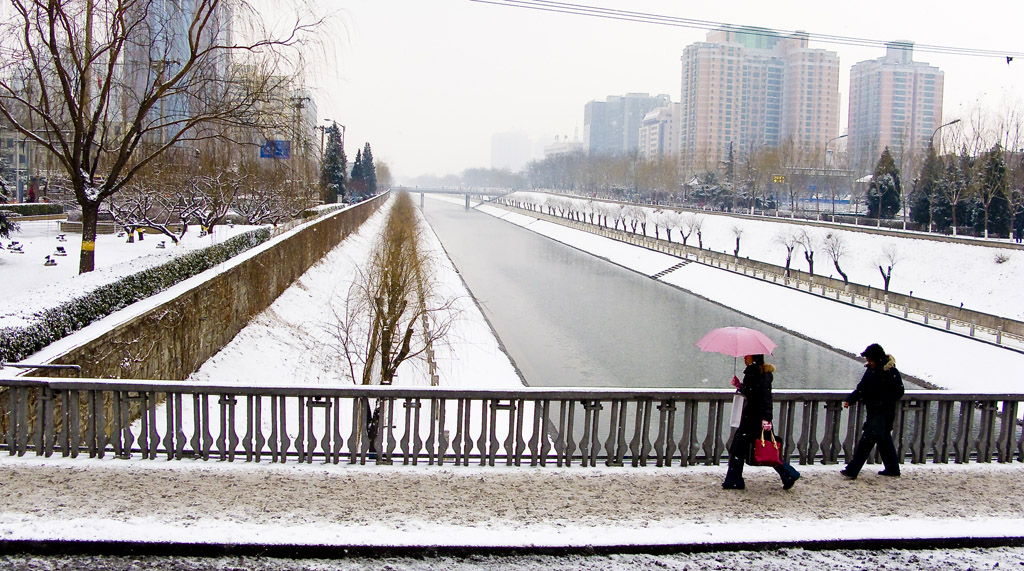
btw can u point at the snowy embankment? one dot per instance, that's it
(934, 356)
(30, 287)
(294, 342)
(948, 273)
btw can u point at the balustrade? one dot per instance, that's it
(441, 426)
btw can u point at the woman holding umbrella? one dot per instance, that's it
(757, 390)
(756, 387)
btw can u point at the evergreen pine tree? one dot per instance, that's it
(369, 170)
(332, 171)
(996, 218)
(884, 190)
(357, 178)
(927, 191)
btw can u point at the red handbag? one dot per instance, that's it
(766, 452)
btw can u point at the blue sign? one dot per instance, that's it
(276, 150)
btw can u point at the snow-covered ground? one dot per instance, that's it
(192, 500)
(29, 287)
(948, 273)
(392, 506)
(784, 559)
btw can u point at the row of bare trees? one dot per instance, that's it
(204, 185)
(795, 240)
(106, 88)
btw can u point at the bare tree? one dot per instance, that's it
(138, 206)
(808, 243)
(697, 225)
(835, 246)
(686, 226)
(963, 168)
(669, 220)
(889, 257)
(631, 212)
(106, 86)
(788, 239)
(394, 297)
(737, 232)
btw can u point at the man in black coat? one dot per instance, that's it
(880, 390)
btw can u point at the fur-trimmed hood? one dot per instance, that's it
(890, 363)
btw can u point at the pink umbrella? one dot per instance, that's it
(737, 342)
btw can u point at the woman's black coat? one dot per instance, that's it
(757, 388)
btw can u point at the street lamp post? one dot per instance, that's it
(824, 167)
(932, 139)
(322, 129)
(931, 146)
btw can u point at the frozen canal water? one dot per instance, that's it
(568, 318)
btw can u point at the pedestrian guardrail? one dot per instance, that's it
(441, 426)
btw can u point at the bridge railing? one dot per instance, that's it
(435, 426)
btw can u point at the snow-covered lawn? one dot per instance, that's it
(28, 286)
(948, 273)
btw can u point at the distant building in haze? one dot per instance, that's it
(751, 88)
(562, 147)
(895, 102)
(659, 133)
(612, 126)
(511, 151)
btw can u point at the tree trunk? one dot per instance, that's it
(846, 280)
(90, 216)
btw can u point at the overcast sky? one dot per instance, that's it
(427, 82)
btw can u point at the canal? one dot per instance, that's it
(569, 318)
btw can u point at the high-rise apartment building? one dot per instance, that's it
(747, 88)
(659, 133)
(895, 102)
(612, 126)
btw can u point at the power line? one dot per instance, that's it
(678, 22)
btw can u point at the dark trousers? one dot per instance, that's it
(886, 449)
(738, 452)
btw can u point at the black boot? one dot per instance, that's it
(734, 476)
(788, 474)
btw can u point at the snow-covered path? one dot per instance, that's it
(208, 502)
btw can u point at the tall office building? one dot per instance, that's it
(612, 126)
(895, 102)
(748, 88)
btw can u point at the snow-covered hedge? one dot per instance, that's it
(16, 343)
(38, 209)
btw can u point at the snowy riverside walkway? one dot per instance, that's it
(319, 506)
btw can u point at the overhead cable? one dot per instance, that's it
(674, 21)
